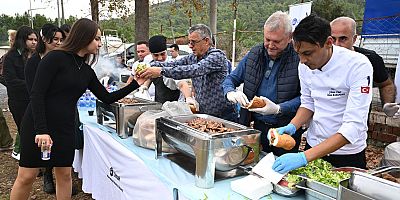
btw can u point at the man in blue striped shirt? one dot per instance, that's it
(206, 66)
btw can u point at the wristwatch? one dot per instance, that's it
(162, 72)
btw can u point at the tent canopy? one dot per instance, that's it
(382, 17)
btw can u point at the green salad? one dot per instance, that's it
(318, 170)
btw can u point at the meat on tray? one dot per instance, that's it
(209, 126)
(128, 101)
(389, 177)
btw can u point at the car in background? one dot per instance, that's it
(128, 50)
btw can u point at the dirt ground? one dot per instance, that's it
(9, 166)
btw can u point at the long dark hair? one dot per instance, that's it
(20, 41)
(48, 31)
(81, 35)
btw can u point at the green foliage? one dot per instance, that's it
(14, 22)
(173, 18)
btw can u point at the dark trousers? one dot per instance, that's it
(264, 127)
(351, 160)
(17, 109)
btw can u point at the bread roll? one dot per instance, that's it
(256, 102)
(284, 141)
(192, 108)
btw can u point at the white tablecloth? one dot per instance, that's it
(110, 171)
(135, 173)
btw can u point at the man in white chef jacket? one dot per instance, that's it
(336, 91)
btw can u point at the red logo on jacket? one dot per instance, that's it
(365, 90)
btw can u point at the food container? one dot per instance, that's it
(374, 185)
(124, 115)
(345, 193)
(282, 189)
(311, 194)
(211, 151)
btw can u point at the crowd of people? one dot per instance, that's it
(311, 79)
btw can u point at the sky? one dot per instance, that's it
(79, 8)
(48, 8)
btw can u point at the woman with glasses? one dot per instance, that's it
(14, 66)
(50, 37)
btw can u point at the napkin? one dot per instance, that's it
(252, 187)
(264, 169)
(259, 185)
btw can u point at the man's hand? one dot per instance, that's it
(150, 72)
(139, 79)
(289, 161)
(391, 109)
(192, 101)
(269, 109)
(289, 129)
(142, 89)
(237, 97)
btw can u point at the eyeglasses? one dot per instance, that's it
(193, 42)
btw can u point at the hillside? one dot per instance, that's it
(172, 18)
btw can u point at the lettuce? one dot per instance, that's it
(318, 170)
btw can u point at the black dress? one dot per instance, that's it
(61, 78)
(18, 97)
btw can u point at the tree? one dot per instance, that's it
(328, 9)
(141, 20)
(94, 10)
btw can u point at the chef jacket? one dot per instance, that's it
(339, 94)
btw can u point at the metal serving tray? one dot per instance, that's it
(211, 151)
(345, 193)
(373, 186)
(122, 114)
(312, 194)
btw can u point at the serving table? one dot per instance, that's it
(115, 168)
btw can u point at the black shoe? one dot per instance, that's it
(48, 183)
(41, 172)
(74, 190)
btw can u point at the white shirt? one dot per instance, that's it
(169, 82)
(339, 95)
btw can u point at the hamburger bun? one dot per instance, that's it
(256, 102)
(284, 141)
(193, 108)
(141, 66)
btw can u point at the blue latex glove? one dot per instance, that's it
(289, 161)
(289, 129)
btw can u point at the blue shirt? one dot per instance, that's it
(207, 74)
(266, 89)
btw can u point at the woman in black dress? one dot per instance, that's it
(61, 78)
(14, 65)
(50, 37)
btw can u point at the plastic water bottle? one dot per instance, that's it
(87, 100)
(81, 103)
(113, 88)
(92, 105)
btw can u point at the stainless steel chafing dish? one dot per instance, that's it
(216, 151)
(122, 114)
(375, 185)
